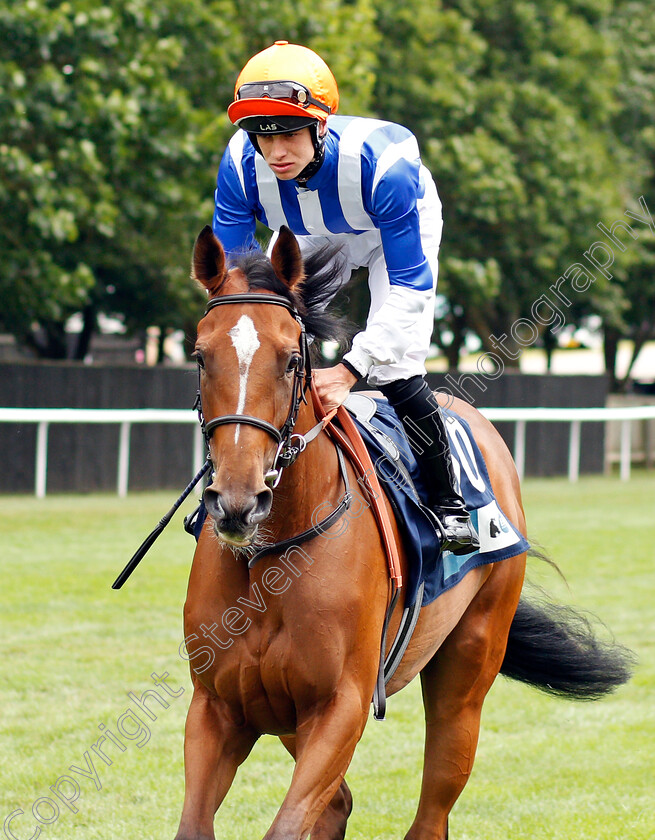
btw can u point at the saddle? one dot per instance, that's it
(400, 475)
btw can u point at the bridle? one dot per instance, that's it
(290, 445)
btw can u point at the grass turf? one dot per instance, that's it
(73, 648)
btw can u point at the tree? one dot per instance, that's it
(103, 178)
(632, 29)
(535, 118)
(112, 126)
(519, 136)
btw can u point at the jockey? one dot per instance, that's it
(359, 182)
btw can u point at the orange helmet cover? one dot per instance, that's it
(286, 62)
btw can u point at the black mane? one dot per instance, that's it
(323, 277)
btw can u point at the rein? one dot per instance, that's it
(290, 445)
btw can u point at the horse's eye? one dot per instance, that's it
(199, 359)
(293, 364)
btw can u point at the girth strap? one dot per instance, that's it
(349, 437)
(403, 635)
(379, 692)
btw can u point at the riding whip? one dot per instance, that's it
(145, 546)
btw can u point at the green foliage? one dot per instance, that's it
(632, 29)
(112, 125)
(100, 164)
(536, 119)
(518, 133)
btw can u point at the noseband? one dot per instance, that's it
(287, 451)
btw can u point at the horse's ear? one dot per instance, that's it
(208, 263)
(287, 259)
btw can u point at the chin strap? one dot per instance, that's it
(319, 155)
(314, 164)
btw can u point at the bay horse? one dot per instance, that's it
(290, 645)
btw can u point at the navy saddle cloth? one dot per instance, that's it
(399, 476)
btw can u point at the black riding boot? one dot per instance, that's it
(421, 417)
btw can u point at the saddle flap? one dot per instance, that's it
(361, 406)
(364, 408)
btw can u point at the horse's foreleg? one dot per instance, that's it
(214, 747)
(331, 825)
(325, 742)
(455, 683)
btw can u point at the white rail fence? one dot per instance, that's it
(126, 418)
(575, 417)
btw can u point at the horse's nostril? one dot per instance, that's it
(228, 512)
(259, 508)
(213, 504)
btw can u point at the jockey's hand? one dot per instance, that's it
(333, 385)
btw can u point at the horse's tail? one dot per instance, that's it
(555, 649)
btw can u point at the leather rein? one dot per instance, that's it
(290, 445)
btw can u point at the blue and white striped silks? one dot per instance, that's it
(373, 195)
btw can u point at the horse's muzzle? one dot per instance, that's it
(236, 521)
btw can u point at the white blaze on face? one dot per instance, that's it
(245, 341)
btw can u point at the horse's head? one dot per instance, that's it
(249, 351)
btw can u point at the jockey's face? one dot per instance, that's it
(287, 154)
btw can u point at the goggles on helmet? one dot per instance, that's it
(283, 91)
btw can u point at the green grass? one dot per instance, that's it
(73, 648)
